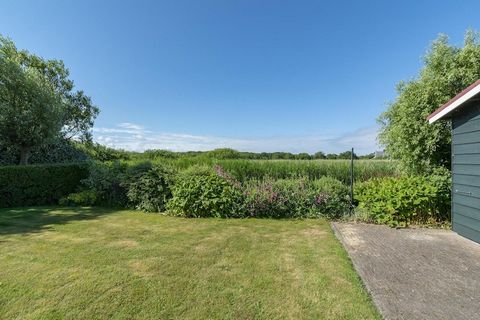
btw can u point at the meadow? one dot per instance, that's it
(243, 169)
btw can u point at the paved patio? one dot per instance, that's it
(415, 273)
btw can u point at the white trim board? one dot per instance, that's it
(457, 103)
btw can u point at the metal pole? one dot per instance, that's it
(351, 182)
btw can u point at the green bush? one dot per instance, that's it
(296, 198)
(56, 151)
(82, 198)
(196, 170)
(39, 184)
(263, 199)
(410, 199)
(331, 198)
(106, 180)
(152, 189)
(207, 195)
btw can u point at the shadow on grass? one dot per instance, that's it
(30, 220)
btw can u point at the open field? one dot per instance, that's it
(281, 169)
(101, 264)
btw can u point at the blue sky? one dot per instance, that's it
(297, 76)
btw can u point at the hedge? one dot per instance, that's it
(39, 184)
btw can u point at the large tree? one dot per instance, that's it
(405, 132)
(38, 101)
(30, 111)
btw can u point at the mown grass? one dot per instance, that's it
(94, 263)
(244, 170)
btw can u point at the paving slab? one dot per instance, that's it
(415, 273)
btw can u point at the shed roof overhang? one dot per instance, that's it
(456, 102)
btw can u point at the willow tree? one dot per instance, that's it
(38, 101)
(405, 133)
(30, 111)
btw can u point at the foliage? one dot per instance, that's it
(296, 198)
(151, 190)
(98, 152)
(224, 153)
(401, 201)
(30, 111)
(37, 101)
(196, 170)
(106, 180)
(8, 155)
(57, 151)
(347, 155)
(79, 110)
(82, 198)
(231, 154)
(332, 199)
(205, 196)
(244, 170)
(406, 134)
(39, 184)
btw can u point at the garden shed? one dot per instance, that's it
(464, 112)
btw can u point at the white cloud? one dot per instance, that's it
(130, 136)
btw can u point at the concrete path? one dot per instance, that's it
(415, 273)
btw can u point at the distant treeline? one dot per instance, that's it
(226, 153)
(101, 152)
(70, 151)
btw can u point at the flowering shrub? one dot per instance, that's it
(209, 191)
(296, 198)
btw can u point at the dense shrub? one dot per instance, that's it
(196, 170)
(401, 201)
(263, 199)
(151, 190)
(82, 198)
(107, 181)
(57, 151)
(39, 184)
(332, 199)
(296, 198)
(207, 195)
(103, 153)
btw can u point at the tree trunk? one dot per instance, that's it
(24, 155)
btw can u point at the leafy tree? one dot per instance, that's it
(331, 156)
(303, 156)
(319, 155)
(224, 153)
(30, 111)
(33, 88)
(346, 155)
(367, 156)
(405, 133)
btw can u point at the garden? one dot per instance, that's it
(237, 189)
(87, 231)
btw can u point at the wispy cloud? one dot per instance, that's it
(130, 136)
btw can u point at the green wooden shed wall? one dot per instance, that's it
(464, 111)
(466, 171)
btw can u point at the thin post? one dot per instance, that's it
(351, 181)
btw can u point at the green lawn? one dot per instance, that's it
(105, 264)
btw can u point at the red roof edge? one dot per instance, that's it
(458, 96)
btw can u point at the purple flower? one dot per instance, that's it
(322, 198)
